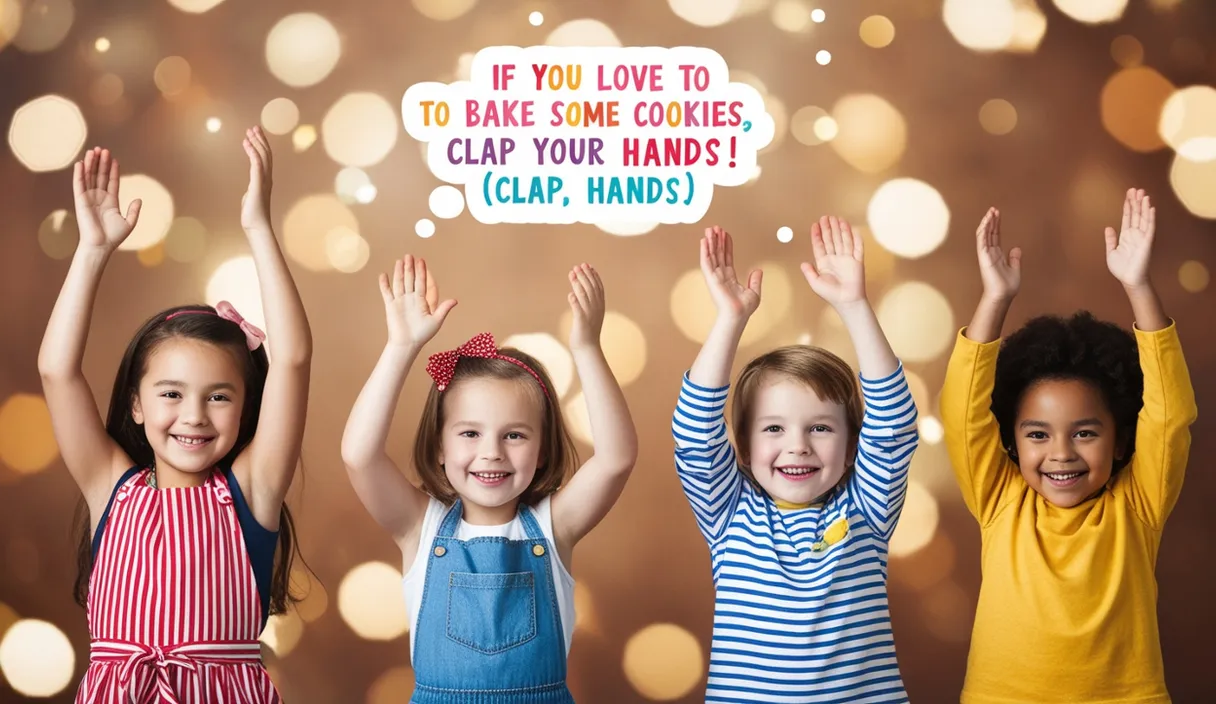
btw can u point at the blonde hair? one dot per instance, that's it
(558, 453)
(829, 376)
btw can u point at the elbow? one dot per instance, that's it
(53, 371)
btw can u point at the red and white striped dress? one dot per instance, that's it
(174, 614)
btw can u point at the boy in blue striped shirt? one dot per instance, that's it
(799, 517)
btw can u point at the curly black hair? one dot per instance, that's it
(1081, 348)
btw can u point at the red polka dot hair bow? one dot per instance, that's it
(442, 365)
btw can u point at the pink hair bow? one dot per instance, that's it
(253, 336)
(442, 365)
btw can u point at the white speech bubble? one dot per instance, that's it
(559, 135)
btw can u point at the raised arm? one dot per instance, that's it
(1163, 436)
(889, 435)
(268, 465)
(594, 489)
(92, 457)
(973, 438)
(705, 460)
(414, 314)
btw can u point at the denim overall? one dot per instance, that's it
(489, 631)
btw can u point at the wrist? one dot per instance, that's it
(1138, 289)
(997, 300)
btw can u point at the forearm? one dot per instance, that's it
(1146, 307)
(988, 319)
(712, 365)
(875, 358)
(371, 418)
(286, 320)
(612, 429)
(67, 330)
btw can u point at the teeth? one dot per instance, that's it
(796, 470)
(190, 441)
(490, 475)
(1064, 477)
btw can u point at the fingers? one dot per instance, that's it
(728, 248)
(112, 185)
(829, 236)
(441, 312)
(1015, 258)
(707, 251)
(1112, 239)
(809, 272)
(88, 176)
(983, 233)
(432, 290)
(386, 291)
(818, 247)
(846, 239)
(257, 141)
(754, 281)
(416, 282)
(578, 286)
(133, 211)
(102, 182)
(1127, 210)
(995, 227)
(78, 178)
(1151, 227)
(399, 277)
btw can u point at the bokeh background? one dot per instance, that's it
(908, 117)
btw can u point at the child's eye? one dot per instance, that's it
(515, 436)
(1086, 434)
(218, 397)
(772, 429)
(171, 394)
(1036, 435)
(468, 433)
(820, 429)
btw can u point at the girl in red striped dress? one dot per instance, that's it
(185, 482)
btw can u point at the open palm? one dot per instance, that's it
(732, 298)
(1127, 252)
(1001, 275)
(411, 303)
(95, 184)
(838, 275)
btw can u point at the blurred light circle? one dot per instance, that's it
(536, 19)
(998, 116)
(818, 15)
(663, 662)
(10, 20)
(36, 658)
(980, 25)
(346, 250)
(424, 228)
(1131, 105)
(47, 133)
(908, 217)
(791, 16)
(44, 25)
(1195, 185)
(155, 214)
(172, 75)
(359, 130)
(366, 193)
(872, 134)
(280, 116)
(1127, 51)
(931, 429)
(443, 10)
(1188, 123)
(348, 182)
(1092, 11)
(705, 13)
(58, 234)
(369, 600)
(214, 124)
(785, 234)
(302, 49)
(27, 442)
(627, 229)
(877, 31)
(303, 137)
(917, 521)
(574, 412)
(152, 256)
(1193, 276)
(624, 346)
(583, 32)
(918, 321)
(194, 6)
(826, 128)
(283, 632)
(551, 353)
(446, 202)
(1029, 28)
(823, 57)
(307, 224)
(802, 124)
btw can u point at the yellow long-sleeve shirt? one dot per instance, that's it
(1068, 603)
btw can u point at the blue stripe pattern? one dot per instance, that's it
(793, 625)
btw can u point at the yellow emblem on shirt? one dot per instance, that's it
(834, 534)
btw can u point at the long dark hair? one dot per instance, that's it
(205, 326)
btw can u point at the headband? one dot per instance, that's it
(442, 365)
(253, 336)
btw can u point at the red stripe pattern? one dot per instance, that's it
(174, 613)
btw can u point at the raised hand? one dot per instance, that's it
(586, 299)
(1128, 251)
(95, 184)
(411, 303)
(732, 299)
(838, 275)
(1002, 276)
(255, 204)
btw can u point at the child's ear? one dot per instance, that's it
(137, 411)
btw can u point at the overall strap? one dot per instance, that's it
(531, 527)
(451, 521)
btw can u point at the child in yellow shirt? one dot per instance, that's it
(1070, 448)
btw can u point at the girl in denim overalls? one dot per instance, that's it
(487, 541)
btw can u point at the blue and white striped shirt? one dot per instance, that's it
(800, 611)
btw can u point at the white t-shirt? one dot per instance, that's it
(415, 574)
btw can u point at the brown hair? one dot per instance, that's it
(829, 376)
(205, 326)
(558, 453)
